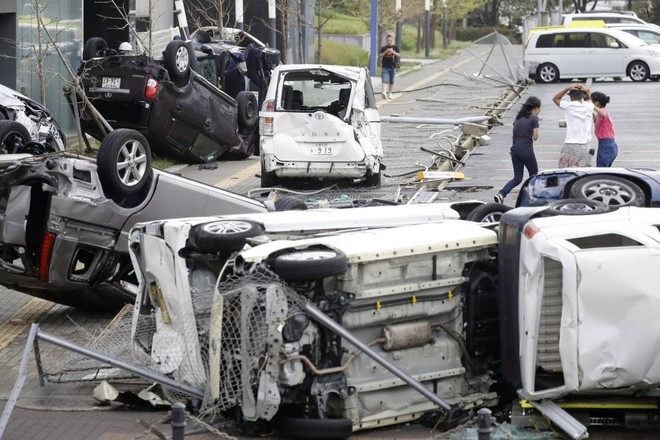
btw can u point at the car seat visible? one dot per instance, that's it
(339, 106)
(287, 97)
(297, 100)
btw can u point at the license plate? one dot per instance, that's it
(320, 149)
(111, 83)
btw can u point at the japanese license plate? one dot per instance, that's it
(111, 82)
(324, 149)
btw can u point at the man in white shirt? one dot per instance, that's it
(578, 112)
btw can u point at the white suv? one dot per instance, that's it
(320, 122)
(568, 53)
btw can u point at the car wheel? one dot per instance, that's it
(487, 213)
(225, 236)
(576, 207)
(248, 113)
(638, 71)
(310, 264)
(288, 203)
(13, 137)
(610, 190)
(268, 180)
(177, 60)
(94, 47)
(124, 162)
(547, 73)
(316, 429)
(373, 179)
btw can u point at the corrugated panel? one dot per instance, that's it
(547, 356)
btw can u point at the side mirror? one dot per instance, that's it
(206, 49)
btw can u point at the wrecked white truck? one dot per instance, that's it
(319, 332)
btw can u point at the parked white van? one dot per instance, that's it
(567, 53)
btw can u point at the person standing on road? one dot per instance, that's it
(525, 132)
(578, 112)
(389, 61)
(604, 129)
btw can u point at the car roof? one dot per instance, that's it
(622, 35)
(602, 14)
(347, 71)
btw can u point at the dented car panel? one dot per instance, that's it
(588, 303)
(320, 122)
(33, 116)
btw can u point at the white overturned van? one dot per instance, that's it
(566, 53)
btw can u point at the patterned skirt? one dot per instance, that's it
(575, 155)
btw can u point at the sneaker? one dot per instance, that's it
(499, 198)
(384, 95)
(389, 95)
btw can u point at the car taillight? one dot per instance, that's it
(44, 256)
(152, 89)
(267, 126)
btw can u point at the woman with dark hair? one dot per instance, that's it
(525, 132)
(604, 128)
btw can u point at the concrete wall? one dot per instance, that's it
(362, 41)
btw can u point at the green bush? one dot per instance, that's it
(344, 54)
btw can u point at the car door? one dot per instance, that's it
(571, 50)
(607, 55)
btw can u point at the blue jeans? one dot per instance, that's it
(387, 75)
(520, 159)
(607, 152)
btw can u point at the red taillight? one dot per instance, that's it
(44, 256)
(152, 89)
(530, 231)
(266, 127)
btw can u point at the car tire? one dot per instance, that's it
(638, 71)
(576, 207)
(488, 213)
(315, 429)
(248, 112)
(124, 162)
(268, 180)
(13, 137)
(610, 190)
(177, 59)
(288, 203)
(94, 47)
(547, 73)
(309, 264)
(373, 179)
(224, 236)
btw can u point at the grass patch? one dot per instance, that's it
(344, 24)
(344, 54)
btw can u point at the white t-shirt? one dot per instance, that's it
(579, 121)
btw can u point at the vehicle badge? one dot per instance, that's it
(319, 115)
(107, 95)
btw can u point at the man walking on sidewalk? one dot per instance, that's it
(389, 61)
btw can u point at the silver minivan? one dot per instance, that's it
(567, 53)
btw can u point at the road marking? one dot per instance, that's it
(240, 176)
(29, 312)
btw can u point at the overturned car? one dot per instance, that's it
(293, 330)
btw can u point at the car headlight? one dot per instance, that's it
(654, 52)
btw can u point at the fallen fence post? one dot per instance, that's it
(178, 421)
(483, 424)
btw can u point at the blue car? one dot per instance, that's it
(592, 187)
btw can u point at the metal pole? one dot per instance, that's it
(561, 11)
(427, 26)
(483, 424)
(178, 421)
(397, 8)
(341, 331)
(273, 23)
(238, 7)
(22, 374)
(441, 121)
(444, 24)
(539, 7)
(156, 377)
(373, 55)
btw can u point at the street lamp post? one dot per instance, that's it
(273, 23)
(444, 24)
(397, 7)
(427, 13)
(374, 37)
(238, 6)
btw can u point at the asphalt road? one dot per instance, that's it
(462, 86)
